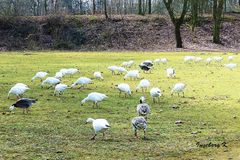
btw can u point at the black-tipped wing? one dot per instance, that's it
(24, 103)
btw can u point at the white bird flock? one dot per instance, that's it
(143, 109)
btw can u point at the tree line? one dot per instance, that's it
(176, 9)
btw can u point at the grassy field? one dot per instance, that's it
(56, 129)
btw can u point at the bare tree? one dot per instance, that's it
(217, 18)
(177, 21)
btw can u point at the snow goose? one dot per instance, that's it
(18, 90)
(95, 97)
(40, 75)
(189, 59)
(217, 59)
(121, 70)
(23, 103)
(157, 61)
(155, 93)
(230, 58)
(164, 60)
(59, 75)
(209, 60)
(63, 71)
(178, 88)
(99, 125)
(230, 66)
(125, 88)
(98, 75)
(171, 72)
(83, 81)
(198, 59)
(139, 123)
(52, 81)
(143, 84)
(113, 69)
(143, 109)
(60, 88)
(71, 71)
(133, 74)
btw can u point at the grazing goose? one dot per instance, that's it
(18, 89)
(217, 59)
(98, 75)
(145, 68)
(125, 88)
(189, 59)
(209, 60)
(23, 103)
(198, 59)
(59, 75)
(127, 64)
(143, 109)
(230, 58)
(99, 125)
(95, 97)
(164, 60)
(139, 123)
(133, 74)
(121, 70)
(171, 72)
(178, 88)
(113, 69)
(230, 66)
(63, 71)
(83, 81)
(144, 84)
(52, 81)
(71, 71)
(60, 88)
(40, 75)
(155, 93)
(157, 61)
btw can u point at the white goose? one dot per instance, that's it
(209, 60)
(155, 93)
(157, 61)
(231, 58)
(83, 81)
(121, 70)
(40, 75)
(59, 75)
(125, 88)
(71, 71)
(98, 75)
(144, 84)
(113, 69)
(133, 74)
(18, 89)
(60, 88)
(231, 66)
(52, 81)
(99, 125)
(171, 72)
(164, 60)
(95, 97)
(178, 88)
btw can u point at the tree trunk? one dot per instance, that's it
(149, 6)
(178, 37)
(105, 9)
(194, 10)
(217, 18)
(94, 7)
(140, 12)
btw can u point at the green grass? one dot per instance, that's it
(56, 129)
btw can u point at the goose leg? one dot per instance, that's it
(120, 93)
(158, 99)
(144, 134)
(178, 94)
(135, 133)
(183, 94)
(93, 138)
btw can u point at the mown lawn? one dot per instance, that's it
(56, 129)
